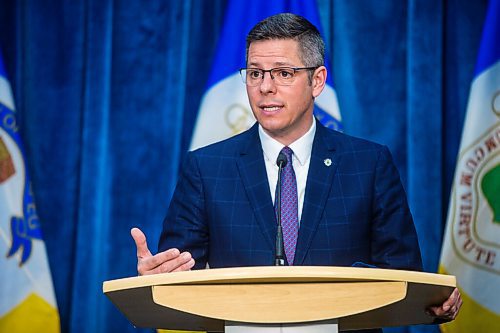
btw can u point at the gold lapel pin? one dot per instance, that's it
(327, 162)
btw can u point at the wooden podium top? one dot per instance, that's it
(204, 299)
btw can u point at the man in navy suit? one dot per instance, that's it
(350, 204)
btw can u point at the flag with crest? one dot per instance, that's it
(27, 300)
(471, 250)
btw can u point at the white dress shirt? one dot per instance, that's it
(300, 160)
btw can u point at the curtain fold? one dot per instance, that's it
(93, 201)
(424, 125)
(108, 92)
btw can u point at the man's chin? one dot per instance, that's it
(272, 128)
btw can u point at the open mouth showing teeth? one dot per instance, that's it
(271, 108)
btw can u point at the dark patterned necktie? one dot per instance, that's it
(289, 207)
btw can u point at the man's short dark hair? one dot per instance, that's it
(291, 26)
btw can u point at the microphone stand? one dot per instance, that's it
(279, 259)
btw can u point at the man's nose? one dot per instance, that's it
(267, 85)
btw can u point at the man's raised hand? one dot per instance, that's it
(170, 260)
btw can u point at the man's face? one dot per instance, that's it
(284, 112)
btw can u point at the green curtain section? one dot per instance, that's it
(107, 94)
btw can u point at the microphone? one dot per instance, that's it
(279, 258)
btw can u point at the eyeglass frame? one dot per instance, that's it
(264, 71)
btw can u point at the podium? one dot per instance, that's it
(210, 299)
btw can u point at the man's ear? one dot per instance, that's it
(319, 80)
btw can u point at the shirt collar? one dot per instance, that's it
(301, 147)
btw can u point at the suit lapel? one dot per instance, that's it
(254, 176)
(322, 168)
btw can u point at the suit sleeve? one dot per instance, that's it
(185, 227)
(394, 242)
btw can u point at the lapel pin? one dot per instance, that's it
(327, 162)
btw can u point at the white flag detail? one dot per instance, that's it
(27, 300)
(471, 249)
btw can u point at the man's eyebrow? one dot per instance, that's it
(282, 64)
(276, 64)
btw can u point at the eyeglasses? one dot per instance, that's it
(283, 76)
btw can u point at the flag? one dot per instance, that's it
(471, 249)
(225, 110)
(27, 301)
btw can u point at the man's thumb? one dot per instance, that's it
(140, 243)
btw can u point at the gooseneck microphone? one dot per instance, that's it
(279, 258)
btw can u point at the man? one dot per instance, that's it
(347, 206)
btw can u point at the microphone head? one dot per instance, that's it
(281, 160)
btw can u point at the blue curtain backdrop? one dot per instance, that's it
(107, 93)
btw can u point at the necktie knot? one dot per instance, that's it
(288, 153)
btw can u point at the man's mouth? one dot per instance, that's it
(271, 108)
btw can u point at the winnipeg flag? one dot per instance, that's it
(225, 110)
(27, 302)
(471, 250)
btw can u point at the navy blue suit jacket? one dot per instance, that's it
(355, 209)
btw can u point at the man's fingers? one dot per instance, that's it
(438, 312)
(449, 309)
(164, 262)
(453, 303)
(452, 300)
(153, 264)
(183, 262)
(185, 267)
(164, 257)
(140, 243)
